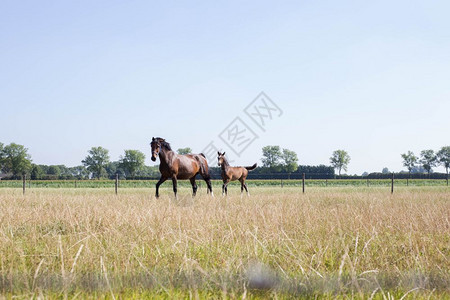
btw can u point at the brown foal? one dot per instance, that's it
(232, 173)
(176, 166)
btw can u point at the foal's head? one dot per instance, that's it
(220, 158)
(157, 144)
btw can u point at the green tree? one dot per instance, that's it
(132, 161)
(96, 161)
(418, 170)
(409, 160)
(271, 158)
(64, 172)
(385, 171)
(186, 150)
(150, 171)
(340, 160)
(36, 172)
(112, 168)
(54, 170)
(16, 159)
(428, 160)
(289, 161)
(443, 157)
(1, 155)
(79, 172)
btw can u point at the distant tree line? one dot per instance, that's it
(427, 161)
(277, 162)
(16, 162)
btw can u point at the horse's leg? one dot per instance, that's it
(194, 186)
(207, 179)
(161, 180)
(174, 183)
(208, 183)
(246, 189)
(223, 188)
(242, 185)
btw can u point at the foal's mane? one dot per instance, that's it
(225, 160)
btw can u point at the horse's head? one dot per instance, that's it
(220, 158)
(156, 147)
(157, 144)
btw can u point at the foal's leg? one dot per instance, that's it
(194, 186)
(242, 185)
(161, 180)
(225, 187)
(174, 183)
(246, 189)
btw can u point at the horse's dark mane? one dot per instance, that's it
(163, 143)
(166, 145)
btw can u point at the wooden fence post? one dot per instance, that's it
(24, 182)
(392, 184)
(281, 182)
(117, 182)
(326, 182)
(303, 182)
(407, 181)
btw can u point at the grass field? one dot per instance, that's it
(345, 242)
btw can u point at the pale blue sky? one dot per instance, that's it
(368, 77)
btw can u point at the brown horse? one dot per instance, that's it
(232, 173)
(176, 166)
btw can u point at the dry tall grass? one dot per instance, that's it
(337, 241)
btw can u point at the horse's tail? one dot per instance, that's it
(251, 168)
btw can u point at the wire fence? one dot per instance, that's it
(302, 183)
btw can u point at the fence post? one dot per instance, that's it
(117, 182)
(367, 181)
(281, 182)
(75, 184)
(447, 179)
(407, 181)
(24, 182)
(392, 184)
(326, 182)
(303, 182)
